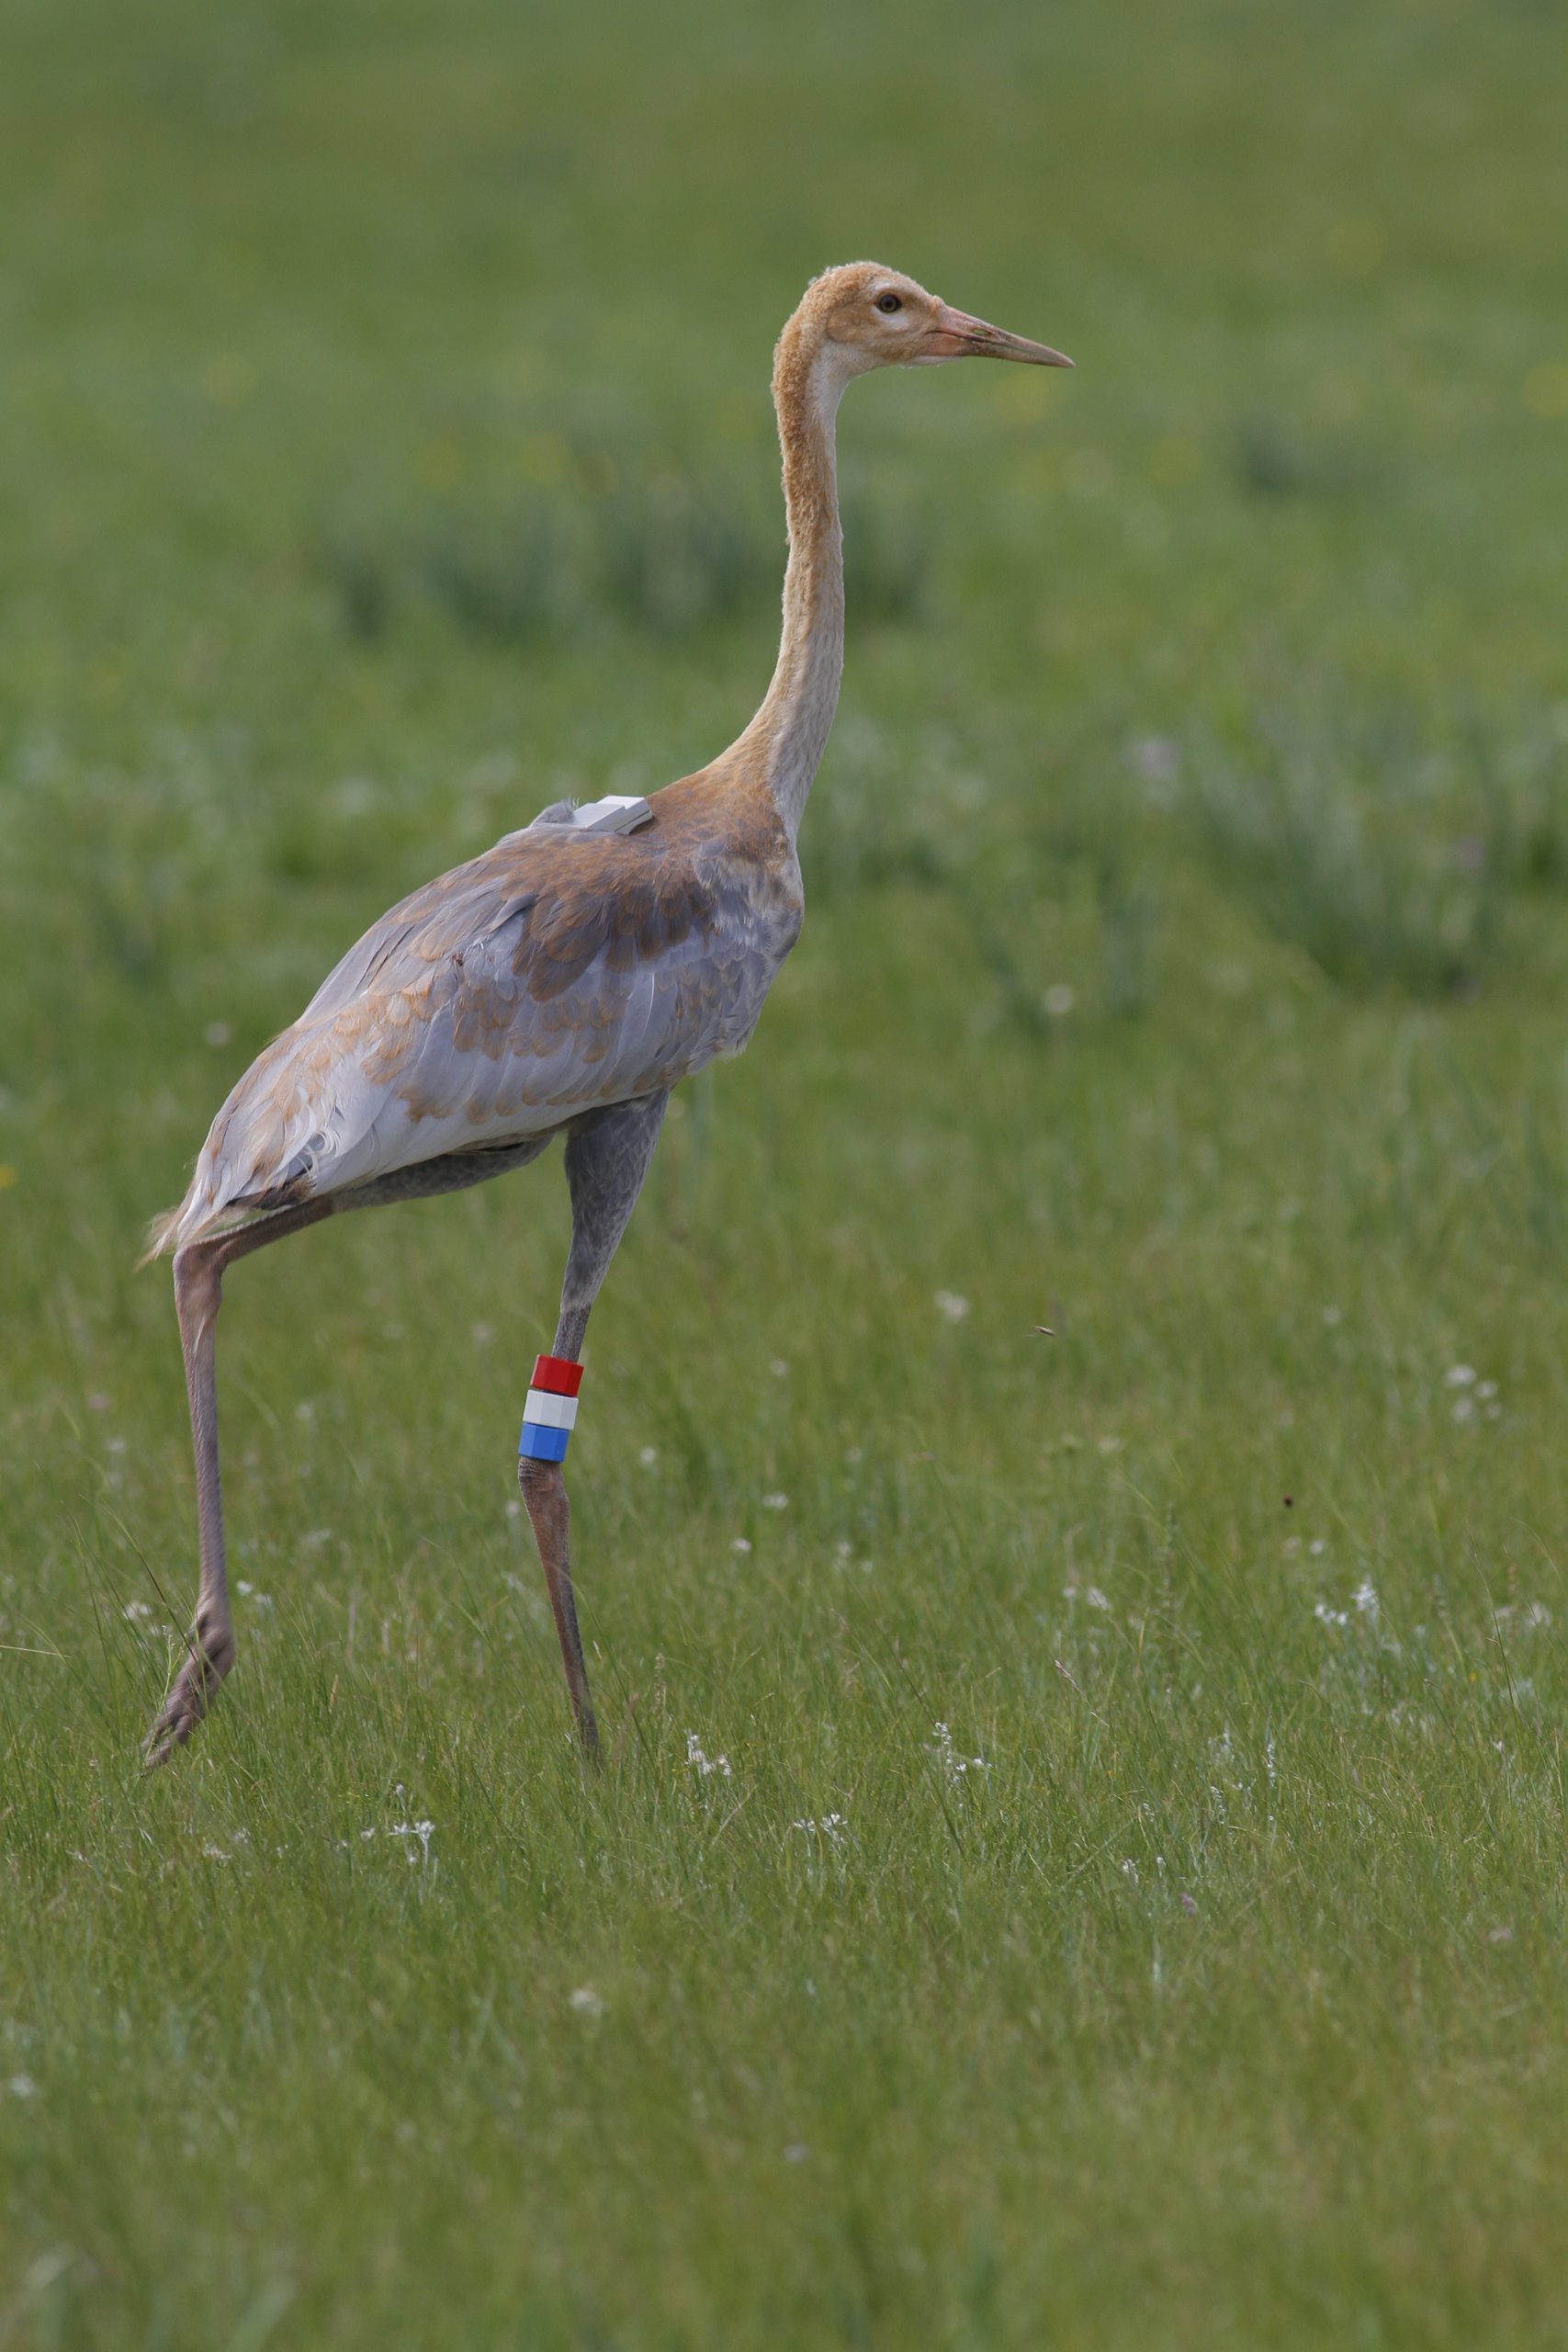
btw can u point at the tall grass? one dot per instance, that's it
(667, 554)
(1392, 860)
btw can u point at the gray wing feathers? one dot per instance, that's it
(431, 1036)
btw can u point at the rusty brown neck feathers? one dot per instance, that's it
(789, 733)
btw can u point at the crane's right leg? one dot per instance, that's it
(209, 1646)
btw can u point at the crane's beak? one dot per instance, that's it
(956, 335)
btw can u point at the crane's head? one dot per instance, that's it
(878, 318)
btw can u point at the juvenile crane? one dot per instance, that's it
(558, 985)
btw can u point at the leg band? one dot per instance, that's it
(550, 1413)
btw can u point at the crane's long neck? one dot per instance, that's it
(790, 731)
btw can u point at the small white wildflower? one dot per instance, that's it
(1464, 1409)
(1059, 999)
(1365, 1598)
(1333, 1315)
(649, 1456)
(513, 1508)
(831, 1826)
(702, 1765)
(217, 1032)
(1317, 1548)
(422, 1830)
(951, 1304)
(1460, 1375)
(22, 2086)
(586, 2002)
(954, 1766)
(1485, 1390)
(1326, 1616)
(775, 1502)
(136, 1609)
(214, 1854)
(1536, 1613)
(1130, 1869)
(304, 1411)
(1095, 1597)
(779, 1368)
(367, 1833)
(741, 1543)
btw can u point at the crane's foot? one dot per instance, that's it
(208, 1658)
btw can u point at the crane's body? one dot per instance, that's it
(550, 977)
(559, 984)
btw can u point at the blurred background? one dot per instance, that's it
(386, 451)
(388, 446)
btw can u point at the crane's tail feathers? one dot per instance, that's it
(200, 1216)
(161, 1235)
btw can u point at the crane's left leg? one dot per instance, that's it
(198, 1290)
(607, 1157)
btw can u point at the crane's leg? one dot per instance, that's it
(199, 1281)
(198, 1286)
(607, 1157)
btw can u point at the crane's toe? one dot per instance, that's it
(209, 1657)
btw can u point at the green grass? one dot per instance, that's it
(385, 451)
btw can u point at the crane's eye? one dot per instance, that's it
(889, 302)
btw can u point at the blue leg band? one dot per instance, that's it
(540, 1444)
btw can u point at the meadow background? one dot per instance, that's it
(1083, 1859)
